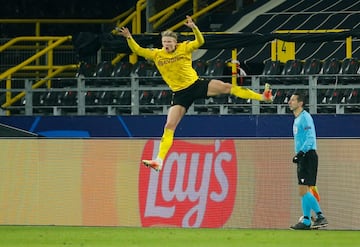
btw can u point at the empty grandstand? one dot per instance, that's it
(317, 51)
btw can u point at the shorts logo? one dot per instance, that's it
(196, 187)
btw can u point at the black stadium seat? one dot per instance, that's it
(349, 66)
(146, 97)
(291, 68)
(271, 68)
(121, 72)
(163, 97)
(103, 70)
(310, 67)
(279, 96)
(200, 67)
(145, 71)
(86, 69)
(215, 68)
(330, 68)
(69, 98)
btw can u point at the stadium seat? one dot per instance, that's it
(219, 99)
(288, 94)
(353, 97)
(120, 97)
(345, 95)
(311, 67)
(105, 98)
(125, 97)
(121, 72)
(86, 69)
(292, 68)
(102, 72)
(145, 71)
(325, 96)
(200, 67)
(35, 98)
(50, 98)
(146, 97)
(103, 69)
(92, 98)
(243, 105)
(120, 76)
(331, 97)
(336, 96)
(271, 69)
(349, 66)
(279, 96)
(163, 97)
(215, 68)
(330, 68)
(156, 79)
(69, 98)
(353, 100)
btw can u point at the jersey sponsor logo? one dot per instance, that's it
(164, 61)
(195, 188)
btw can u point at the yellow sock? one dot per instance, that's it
(245, 93)
(165, 143)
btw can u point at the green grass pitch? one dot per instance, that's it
(31, 236)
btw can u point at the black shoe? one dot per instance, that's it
(300, 226)
(321, 221)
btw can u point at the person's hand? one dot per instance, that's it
(298, 157)
(189, 22)
(123, 31)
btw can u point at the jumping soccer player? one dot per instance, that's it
(174, 62)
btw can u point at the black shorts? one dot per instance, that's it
(307, 169)
(187, 96)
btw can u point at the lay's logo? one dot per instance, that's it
(195, 188)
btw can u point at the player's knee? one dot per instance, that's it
(225, 87)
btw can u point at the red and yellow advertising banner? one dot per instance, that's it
(235, 183)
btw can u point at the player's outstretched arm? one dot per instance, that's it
(144, 52)
(189, 22)
(199, 38)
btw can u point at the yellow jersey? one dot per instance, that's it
(175, 67)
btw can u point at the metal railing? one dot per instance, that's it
(149, 95)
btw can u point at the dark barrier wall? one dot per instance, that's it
(190, 126)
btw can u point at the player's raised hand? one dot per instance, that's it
(123, 31)
(189, 22)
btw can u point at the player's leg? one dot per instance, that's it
(174, 117)
(217, 87)
(175, 114)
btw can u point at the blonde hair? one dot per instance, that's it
(169, 33)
